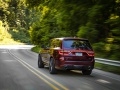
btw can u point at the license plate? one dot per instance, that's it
(78, 54)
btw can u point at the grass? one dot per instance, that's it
(108, 68)
(104, 67)
(36, 49)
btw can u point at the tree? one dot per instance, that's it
(17, 18)
(97, 20)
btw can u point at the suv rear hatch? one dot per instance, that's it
(77, 50)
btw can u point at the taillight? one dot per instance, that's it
(90, 53)
(75, 53)
(63, 52)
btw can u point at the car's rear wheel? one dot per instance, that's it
(86, 72)
(40, 62)
(52, 68)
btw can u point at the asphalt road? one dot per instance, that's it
(19, 71)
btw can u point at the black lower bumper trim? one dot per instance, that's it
(78, 67)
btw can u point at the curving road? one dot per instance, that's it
(19, 71)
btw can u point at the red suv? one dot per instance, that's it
(67, 53)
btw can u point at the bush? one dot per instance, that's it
(20, 35)
(109, 68)
(36, 49)
(99, 49)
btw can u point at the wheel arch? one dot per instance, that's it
(53, 58)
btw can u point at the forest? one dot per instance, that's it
(37, 21)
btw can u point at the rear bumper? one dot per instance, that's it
(77, 67)
(85, 64)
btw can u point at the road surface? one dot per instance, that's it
(19, 71)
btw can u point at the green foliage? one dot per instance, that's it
(36, 49)
(16, 16)
(3, 32)
(19, 36)
(89, 32)
(108, 68)
(5, 37)
(97, 20)
(99, 48)
(42, 34)
(34, 3)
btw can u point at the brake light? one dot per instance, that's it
(90, 53)
(63, 52)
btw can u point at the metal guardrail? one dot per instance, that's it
(108, 62)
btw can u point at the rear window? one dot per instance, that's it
(77, 44)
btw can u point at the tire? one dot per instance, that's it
(40, 62)
(52, 69)
(86, 72)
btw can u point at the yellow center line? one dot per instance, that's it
(54, 87)
(26, 65)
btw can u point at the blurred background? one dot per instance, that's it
(37, 21)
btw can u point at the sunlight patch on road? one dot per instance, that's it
(103, 81)
(16, 46)
(9, 60)
(4, 52)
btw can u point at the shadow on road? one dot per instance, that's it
(74, 73)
